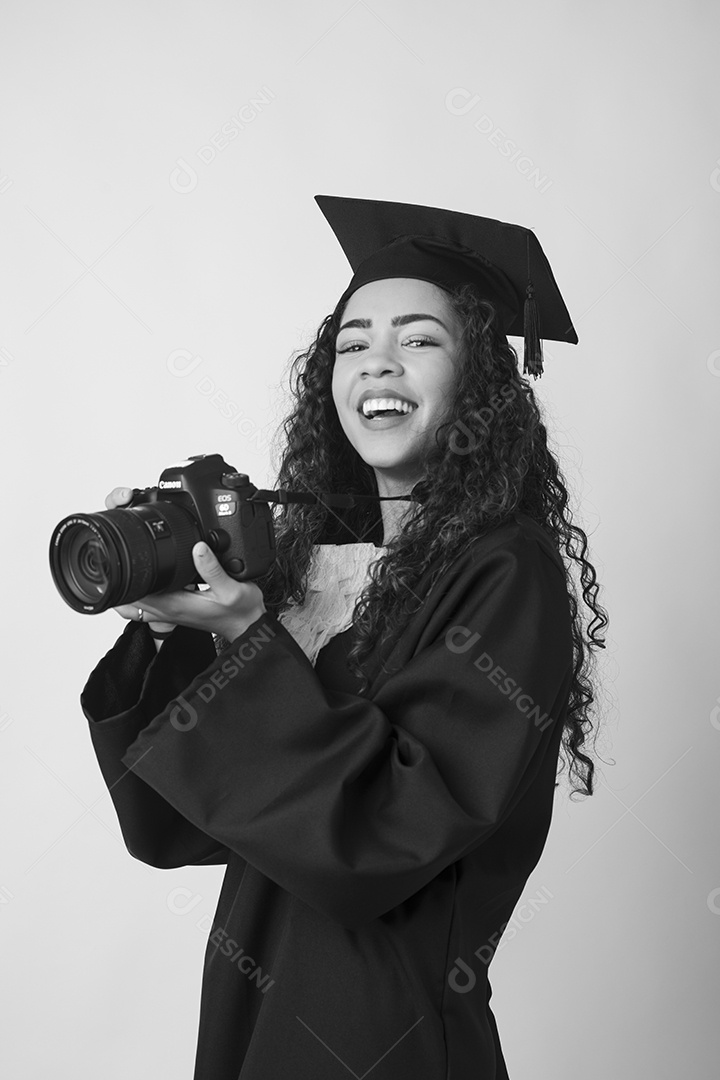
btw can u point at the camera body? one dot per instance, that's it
(116, 556)
(240, 533)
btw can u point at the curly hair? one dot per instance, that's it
(490, 459)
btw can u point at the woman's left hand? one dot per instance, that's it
(228, 607)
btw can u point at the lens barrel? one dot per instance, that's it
(114, 557)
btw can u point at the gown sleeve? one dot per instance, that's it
(131, 684)
(354, 804)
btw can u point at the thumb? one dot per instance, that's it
(207, 565)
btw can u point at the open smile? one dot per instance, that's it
(382, 421)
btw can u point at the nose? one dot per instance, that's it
(378, 360)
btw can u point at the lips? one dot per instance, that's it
(383, 392)
(379, 423)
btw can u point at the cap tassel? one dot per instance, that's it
(533, 358)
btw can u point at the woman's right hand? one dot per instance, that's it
(121, 496)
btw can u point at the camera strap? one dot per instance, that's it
(284, 495)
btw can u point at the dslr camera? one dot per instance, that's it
(114, 557)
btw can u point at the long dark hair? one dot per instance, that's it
(490, 460)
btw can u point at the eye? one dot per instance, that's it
(421, 340)
(417, 339)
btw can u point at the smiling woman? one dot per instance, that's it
(393, 379)
(374, 752)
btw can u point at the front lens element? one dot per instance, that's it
(86, 565)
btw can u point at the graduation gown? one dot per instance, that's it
(375, 844)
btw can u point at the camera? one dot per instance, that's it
(114, 557)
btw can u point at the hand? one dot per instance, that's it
(227, 607)
(120, 497)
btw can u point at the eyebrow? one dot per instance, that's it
(398, 320)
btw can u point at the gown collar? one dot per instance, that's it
(337, 575)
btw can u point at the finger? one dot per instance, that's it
(130, 611)
(118, 497)
(208, 567)
(153, 611)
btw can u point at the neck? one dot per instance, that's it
(394, 514)
(393, 517)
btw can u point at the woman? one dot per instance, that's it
(371, 741)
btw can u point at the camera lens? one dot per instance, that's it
(103, 560)
(86, 565)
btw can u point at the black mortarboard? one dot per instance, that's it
(447, 248)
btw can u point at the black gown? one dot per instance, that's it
(376, 844)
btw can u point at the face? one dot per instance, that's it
(398, 339)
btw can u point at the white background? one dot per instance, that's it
(109, 265)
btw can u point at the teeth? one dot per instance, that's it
(378, 404)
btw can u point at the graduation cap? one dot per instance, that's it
(447, 248)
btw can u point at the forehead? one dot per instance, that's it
(396, 296)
